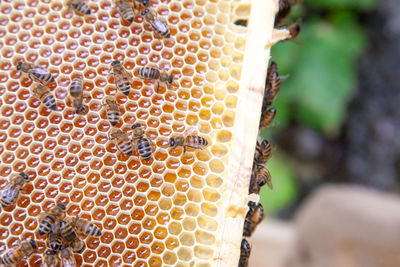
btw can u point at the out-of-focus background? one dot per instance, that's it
(338, 122)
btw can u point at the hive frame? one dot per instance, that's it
(251, 91)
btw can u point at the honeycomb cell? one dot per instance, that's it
(187, 239)
(169, 258)
(156, 213)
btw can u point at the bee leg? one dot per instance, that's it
(146, 28)
(153, 145)
(158, 86)
(184, 149)
(31, 77)
(173, 148)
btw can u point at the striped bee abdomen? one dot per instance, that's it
(125, 10)
(9, 257)
(125, 146)
(144, 148)
(55, 240)
(76, 87)
(44, 77)
(46, 225)
(82, 8)
(113, 117)
(50, 102)
(123, 85)
(67, 231)
(195, 141)
(149, 73)
(91, 229)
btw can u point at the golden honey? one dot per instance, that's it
(158, 213)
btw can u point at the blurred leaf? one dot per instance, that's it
(285, 188)
(322, 71)
(340, 4)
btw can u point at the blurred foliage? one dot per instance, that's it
(284, 188)
(322, 68)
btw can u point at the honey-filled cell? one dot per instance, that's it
(144, 209)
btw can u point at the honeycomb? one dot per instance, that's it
(169, 211)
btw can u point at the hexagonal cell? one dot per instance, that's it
(72, 158)
(146, 238)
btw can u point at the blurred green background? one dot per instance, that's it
(321, 64)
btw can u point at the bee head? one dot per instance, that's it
(135, 126)
(61, 206)
(137, 129)
(170, 78)
(24, 175)
(264, 143)
(115, 62)
(171, 142)
(64, 246)
(144, 12)
(145, 2)
(33, 244)
(19, 65)
(50, 252)
(295, 27)
(81, 110)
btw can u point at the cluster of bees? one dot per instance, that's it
(62, 240)
(260, 175)
(123, 82)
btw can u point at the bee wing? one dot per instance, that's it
(190, 131)
(159, 25)
(127, 74)
(9, 192)
(38, 70)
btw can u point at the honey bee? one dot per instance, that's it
(145, 3)
(124, 144)
(284, 10)
(272, 84)
(267, 116)
(17, 253)
(125, 10)
(67, 256)
(188, 140)
(294, 30)
(35, 72)
(253, 218)
(122, 78)
(142, 144)
(262, 176)
(245, 250)
(10, 193)
(55, 240)
(112, 110)
(43, 93)
(68, 232)
(149, 73)
(49, 220)
(159, 27)
(76, 92)
(50, 258)
(79, 6)
(263, 152)
(83, 226)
